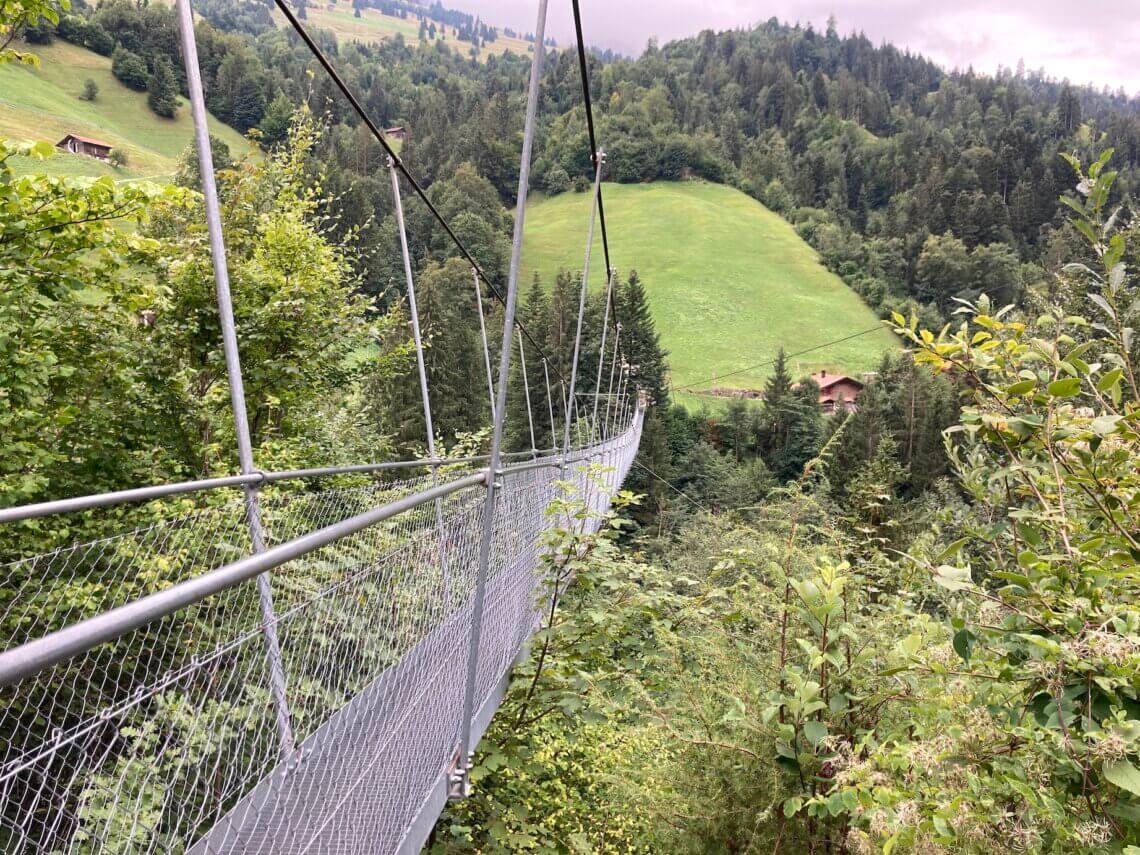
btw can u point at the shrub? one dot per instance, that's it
(97, 39)
(90, 90)
(556, 181)
(130, 68)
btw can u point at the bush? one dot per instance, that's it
(90, 90)
(97, 39)
(130, 68)
(118, 158)
(38, 34)
(556, 181)
(72, 29)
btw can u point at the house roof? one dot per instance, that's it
(87, 140)
(825, 380)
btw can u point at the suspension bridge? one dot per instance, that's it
(307, 660)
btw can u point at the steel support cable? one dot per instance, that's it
(768, 362)
(550, 405)
(572, 402)
(672, 486)
(358, 108)
(526, 394)
(588, 102)
(483, 333)
(233, 369)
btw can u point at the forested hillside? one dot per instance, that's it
(905, 626)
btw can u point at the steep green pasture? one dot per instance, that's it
(43, 104)
(374, 26)
(729, 282)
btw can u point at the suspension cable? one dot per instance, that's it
(358, 108)
(594, 152)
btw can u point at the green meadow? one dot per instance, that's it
(729, 281)
(43, 104)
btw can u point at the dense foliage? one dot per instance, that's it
(908, 628)
(895, 664)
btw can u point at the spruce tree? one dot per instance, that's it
(804, 436)
(532, 313)
(162, 89)
(274, 125)
(640, 341)
(773, 427)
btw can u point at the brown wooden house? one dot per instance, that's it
(85, 145)
(837, 392)
(398, 132)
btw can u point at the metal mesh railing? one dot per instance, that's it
(164, 737)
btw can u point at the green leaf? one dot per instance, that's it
(1109, 379)
(835, 805)
(792, 806)
(1124, 775)
(814, 732)
(952, 578)
(964, 644)
(1066, 387)
(1104, 425)
(1022, 388)
(953, 549)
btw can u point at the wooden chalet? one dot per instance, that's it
(85, 146)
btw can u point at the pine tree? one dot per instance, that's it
(773, 428)
(804, 436)
(162, 89)
(640, 342)
(274, 125)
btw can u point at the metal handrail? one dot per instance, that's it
(35, 656)
(31, 658)
(160, 491)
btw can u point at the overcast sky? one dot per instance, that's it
(1091, 41)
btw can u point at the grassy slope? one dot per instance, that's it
(373, 26)
(729, 281)
(43, 104)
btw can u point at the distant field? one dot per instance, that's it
(729, 281)
(43, 104)
(372, 26)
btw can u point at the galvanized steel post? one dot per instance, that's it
(598, 159)
(421, 368)
(526, 392)
(483, 333)
(233, 371)
(460, 780)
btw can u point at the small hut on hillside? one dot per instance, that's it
(86, 146)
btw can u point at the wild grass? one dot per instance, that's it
(43, 104)
(729, 281)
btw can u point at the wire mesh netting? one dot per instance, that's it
(166, 738)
